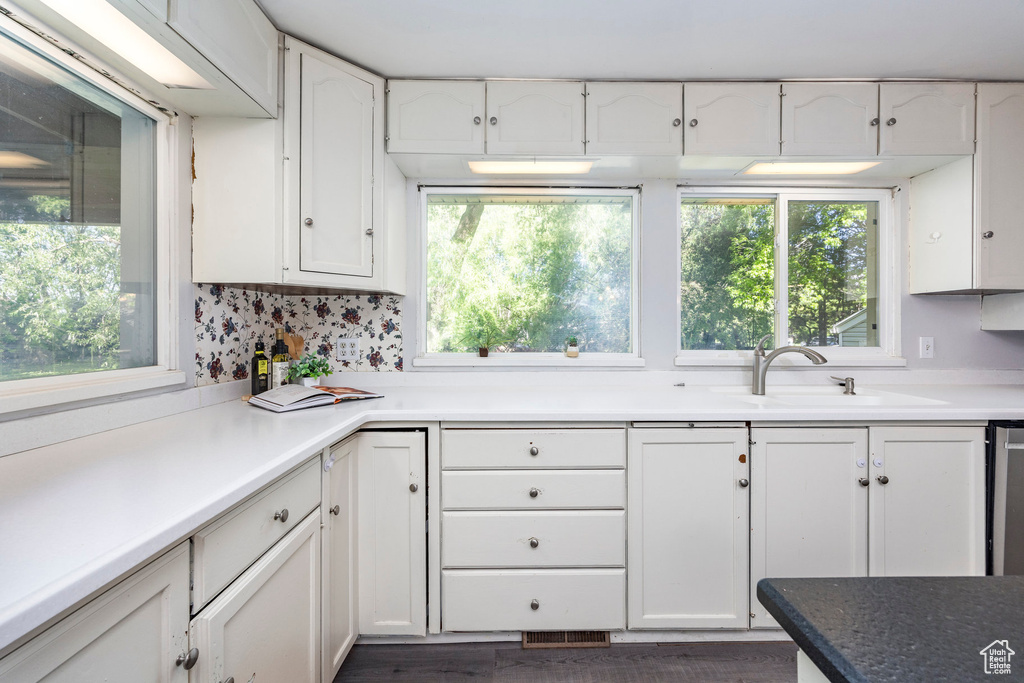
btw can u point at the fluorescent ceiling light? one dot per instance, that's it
(20, 160)
(117, 32)
(531, 167)
(809, 167)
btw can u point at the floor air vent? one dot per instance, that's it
(562, 639)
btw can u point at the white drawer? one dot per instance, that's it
(515, 448)
(534, 539)
(224, 548)
(533, 489)
(501, 599)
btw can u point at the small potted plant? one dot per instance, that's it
(309, 369)
(572, 347)
(484, 332)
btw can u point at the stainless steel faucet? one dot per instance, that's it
(761, 361)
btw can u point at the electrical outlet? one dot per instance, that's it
(347, 348)
(927, 347)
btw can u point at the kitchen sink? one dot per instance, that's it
(825, 397)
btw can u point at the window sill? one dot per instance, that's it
(532, 360)
(32, 394)
(711, 360)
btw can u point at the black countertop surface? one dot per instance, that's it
(900, 629)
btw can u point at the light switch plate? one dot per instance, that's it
(927, 347)
(347, 348)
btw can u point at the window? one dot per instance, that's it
(806, 267)
(78, 232)
(521, 271)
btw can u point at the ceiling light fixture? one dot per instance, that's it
(121, 35)
(809, 167)
(531, 167)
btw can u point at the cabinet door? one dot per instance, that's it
(687, 528)
(928, 518)
(731, 118)
(440, 117)
(133, 632)
(830, 119)
(926, 118)
(999, 203)
(808, 507)
(530, 117)
(338, 544)
(336, 169)
(392, 534)
(266, 625)
(634, 118)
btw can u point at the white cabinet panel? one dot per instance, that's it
(634, 118)
(942, 238)
(731, 118)
(928, 517)
(133, 632)
(687, 528)
(830, 119)
(533, 489)
(442, 117)
(808, 506)
(535, 117)
(534, 448)
(339, 624)
(926, 118)
(392, 539)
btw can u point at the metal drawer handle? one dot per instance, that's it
(476, 120)
(677, 122)
(535, 604)
(187, 660)
(534, 493)
(282, 515)
(534, 451)
(987, 235)
(863, 481)
(744, 483)
(882, 479)
(336, 510)
(534, 543)
(891, 122)
(414, 488)
(693, 123)
(494, 120)
(874, 122)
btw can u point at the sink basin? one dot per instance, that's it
(824, 397)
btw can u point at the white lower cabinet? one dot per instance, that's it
(266, 625)
(339, 618)
(687, 526)
(135, 631)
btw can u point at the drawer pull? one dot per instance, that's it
(534, 543)
(882, 479)
(187, 660)
(534, 493)
(336, 510)
(414, 487)
(863, 481)
(744, 483)
(535, 604)
(534, 451)
(282, 515)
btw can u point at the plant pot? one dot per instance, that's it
(572, 351)
(483, 351)
(309, 381)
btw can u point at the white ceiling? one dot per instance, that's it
(666, 39)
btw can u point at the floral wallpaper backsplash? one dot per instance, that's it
(229, 321)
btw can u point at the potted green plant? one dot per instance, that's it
(309, 369)
(572, 347)
(483, 332)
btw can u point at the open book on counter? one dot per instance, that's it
(295, 397)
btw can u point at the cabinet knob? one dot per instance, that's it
(414, 487)
(282, 515)
(677, 122)
(693, 123)
(891, 122)
(744, 483)
(874, 122)
(534, 493)
(534, 543)
(336, 510)
(187, 660)
(987, 235)
(476, 120)
(369, 231)
(882, 479)
(534, 450)
(535, 604)
(494, 120)
(308, 221)
(863, 481)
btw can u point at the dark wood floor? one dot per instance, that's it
(621, 663)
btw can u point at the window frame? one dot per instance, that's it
(634, 359)
(886, 354)
(24, 395)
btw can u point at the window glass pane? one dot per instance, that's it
(727, 279)
(77, 248)
(523, 273)
(833, 273)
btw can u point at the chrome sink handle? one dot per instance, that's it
(759, 349)
(846, 382)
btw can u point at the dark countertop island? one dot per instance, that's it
(904, 629)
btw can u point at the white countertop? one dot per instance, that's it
(77, 515)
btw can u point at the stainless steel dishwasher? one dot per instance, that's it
(1007, 481)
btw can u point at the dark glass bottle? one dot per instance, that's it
(260, 370)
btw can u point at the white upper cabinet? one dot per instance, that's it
(731, 118)
(926, 118)
(535, 117)
(237, 37)
(634, 118)
(440, 117)
(830, 119)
